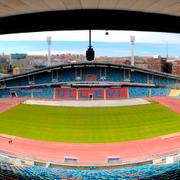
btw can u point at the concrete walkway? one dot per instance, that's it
(90, 103)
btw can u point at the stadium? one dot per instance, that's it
(88, 120)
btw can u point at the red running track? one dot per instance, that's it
(172, 103)
(6, 104)
(92, 153)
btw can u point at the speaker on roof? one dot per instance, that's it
(90, 54)
(90, 51)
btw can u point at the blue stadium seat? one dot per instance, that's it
(44, 92)
(17, 82)
(160, 91)
(149, 171)
(43, 78)
(115, 75)
(138, 77)
(4, 93)
(66, 75)
(136, 92)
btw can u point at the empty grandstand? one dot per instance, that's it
(83, 81)
(40, 170)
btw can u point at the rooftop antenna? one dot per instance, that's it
(167, 53)
(132, 40)
(49, 50)
(10, 67)
(90, 52)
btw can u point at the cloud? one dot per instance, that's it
(44, 52)
(115, 52)
(97, 35)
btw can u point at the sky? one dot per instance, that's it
(116, 44)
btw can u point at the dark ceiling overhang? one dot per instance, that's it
(89, 19)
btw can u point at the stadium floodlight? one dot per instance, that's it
(132, 40)
(90, 52)
(49, 50)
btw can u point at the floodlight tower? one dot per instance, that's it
(49, 50)
(132, 40)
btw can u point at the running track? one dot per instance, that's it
(92, 153)
(6, 104)
(172, 103)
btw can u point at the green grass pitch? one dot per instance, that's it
(89, 124)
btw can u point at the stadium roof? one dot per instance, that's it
(40, 15)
